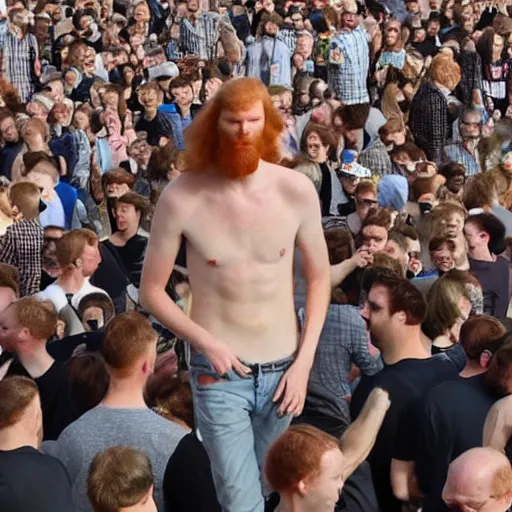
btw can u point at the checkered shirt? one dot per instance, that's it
(376, 158)
(459, 154)
(17, 57)
(201, 39)
(348, 77)
(289, 38)
(21, 247)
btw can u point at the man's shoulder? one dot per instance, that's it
(23, 227)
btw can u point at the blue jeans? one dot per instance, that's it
(238, 421)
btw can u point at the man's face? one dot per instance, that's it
(375, 238)
(375, 313)
(395, 251)
(433, 28)
(413, 7)
(469, 497)
(245, 124)
(455, 183)
(304, 46)
(324, 491)
(352, 138)
(93, 315)
(21, 16)
(443, 258)
(395, 139)
(350, 20)
(126, 216)
(8, 130)
(349, 183)
(391, 35)
(452, 225)
(91, 258)
(270, 29)
(149, 98)
(140, 152)
(81, 121)
(34, 109)
(10, 330)
(7, 297)
(193, 6)
(315, 148)
(471, 126)
(297, 21)
(56, 91)
(364, 201)
(183, 95)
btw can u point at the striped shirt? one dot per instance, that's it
(200, 39)
(18, 56)
(459, 154)
(349, 62)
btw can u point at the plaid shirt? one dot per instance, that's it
(349, 62)
(17, 58)
(289, 38)
(376, 158)
(459, 154)
(201, 39)
(21, 247)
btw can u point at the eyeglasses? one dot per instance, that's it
(367, 202)
(414, 255)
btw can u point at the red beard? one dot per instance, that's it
(238, 157)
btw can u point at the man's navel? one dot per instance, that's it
(212, 262)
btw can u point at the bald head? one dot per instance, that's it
(480, 478)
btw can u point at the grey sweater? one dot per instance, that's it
(104, 427)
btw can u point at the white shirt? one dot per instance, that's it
(58, 296)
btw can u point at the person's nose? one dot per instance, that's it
(365, 311)
(244, 128)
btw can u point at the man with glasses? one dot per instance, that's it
(350, 173)
(366, 198)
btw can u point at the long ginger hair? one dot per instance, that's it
(202, 137)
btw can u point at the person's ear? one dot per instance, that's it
(402, 317)
(485, 359)
(78, 263)
(301, 488)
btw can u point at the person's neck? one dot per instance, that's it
(471, 145)
(150, 114)
(407, 345)
(11, 143)
(127, 393)
(15, 436)
(18, 31)
(481, 253)
(36, 359)
(5, 220)
(443, 341)
(71, 281)
(472, 369)
(184, 109)
(39, 146)
(124, 236)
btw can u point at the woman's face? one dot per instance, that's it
(111, 99)
(498, 44)
(81, 121)
(31, 135)
(128, 74)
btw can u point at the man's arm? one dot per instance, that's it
(164, 243)
(311, 243)
(498, 425)
(358, 440)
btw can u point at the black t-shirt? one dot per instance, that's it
(188, 482)
(108, 275)
(452, 421)
(33, 482)
(154, 128)
(131, 256)
(405, 381)
(53, 386)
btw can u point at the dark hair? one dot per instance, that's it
(500, 369)
(97, 300)
(355, 116)
(10, 278)
(88, 380)
(339, 244)
(479, 333)
(490, 224)
(452, 169)
(403, 295)
(437, 242)
(377, 217)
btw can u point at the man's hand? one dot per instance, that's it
(292, 390)
(362, 258)
(223, 360)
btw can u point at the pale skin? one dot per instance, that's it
(241, 235)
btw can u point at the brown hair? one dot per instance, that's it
(339, 244)
(323, 133)
(201, 137)
(127, 338)
(119, 477)
(71, 245)
(296, 455)
(354, 116)
(97, 300)
(377, 217)
(118, 176)
(479, 333)
(17, 394)
(392, 125)
(26, 196)
(365, 187)
(171, 398)
(409, 148)
(437, 242)
(38, 316)
(499, 374)
(5, 113)
(88, 380)
(140, 203)
(10, 278)
(479, 190)
(384, 260)
(39, 125)
(445, 71)
(180, 81)
(403, 296)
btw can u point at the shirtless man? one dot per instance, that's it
(242, 217)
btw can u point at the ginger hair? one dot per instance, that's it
(445, 71)
(201, 137)
(296, 455)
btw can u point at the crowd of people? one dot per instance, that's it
(255, 256)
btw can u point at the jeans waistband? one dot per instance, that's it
(272, 366)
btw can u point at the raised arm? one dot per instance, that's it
(358, 440)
